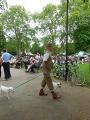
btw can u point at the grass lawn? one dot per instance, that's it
(84, 71)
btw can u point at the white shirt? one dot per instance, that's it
(46, 56)
(37, 57)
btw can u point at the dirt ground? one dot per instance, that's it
(25, 104)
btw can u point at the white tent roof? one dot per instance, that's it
(29, 53)
(81, 54)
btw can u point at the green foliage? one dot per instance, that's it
(84, 68)
(50, 24)
(56, 49)
(3, 5)
(47, 22)
(79, 22)
(11, 46)
(36, 48)
(15, 17)
(82, 38)
(85, 0)
(16, 22)
(71, 48)
(2, 39)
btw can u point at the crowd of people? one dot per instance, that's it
(29, 62)
(32, 62)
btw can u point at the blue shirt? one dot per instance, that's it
(6, 57)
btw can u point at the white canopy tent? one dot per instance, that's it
(81, 54)
(29, 53)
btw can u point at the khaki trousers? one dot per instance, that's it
(47, 81)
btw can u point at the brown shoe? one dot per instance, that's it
(41, 93)
(55, 96)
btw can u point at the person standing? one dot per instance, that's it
(47, 65)
(6, 57)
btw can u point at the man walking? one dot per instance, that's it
(47, 65)
(6, 65)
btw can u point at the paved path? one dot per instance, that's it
(25, 104)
